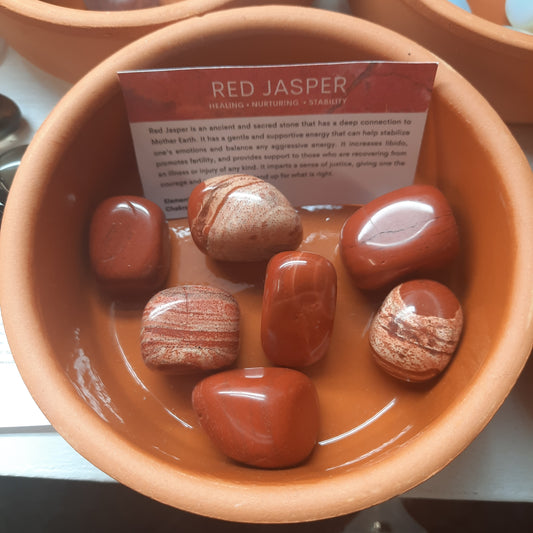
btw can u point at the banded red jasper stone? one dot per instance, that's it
(190, 328)
(417, 329)
(129, 246)
(242, 218)
(263, 417)
(298, 310)
(401, 233)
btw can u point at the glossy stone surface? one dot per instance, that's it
(119, 5)
(417, 329)
(129, 246)
(401, 233)
(263, 417)
(10, 116)
(242, 218)
(190, 328)
(298, 309)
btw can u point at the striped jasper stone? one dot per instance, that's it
(417, 329)
(190, 328)
(242, 218)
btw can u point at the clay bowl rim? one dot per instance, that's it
(469, 25)
(52, 14)
(203, 494)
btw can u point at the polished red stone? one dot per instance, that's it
(404, 232)
(417, 329)
(242, 218)
(299, 303)
(263, 417)
(129, 246)
(190, 328)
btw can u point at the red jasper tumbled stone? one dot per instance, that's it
(298, 309)
(242, 218)
(399, 234)
(129, 246)
(190, 328)
(417, 329)
(263, 417)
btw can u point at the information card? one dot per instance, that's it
(326, 133)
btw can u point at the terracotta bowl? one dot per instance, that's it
(496, 59)
(80, 356)
(65, 39)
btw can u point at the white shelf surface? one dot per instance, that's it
(497, 466)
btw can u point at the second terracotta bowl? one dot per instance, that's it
(496, 59)
(66, 40)
(79, 353)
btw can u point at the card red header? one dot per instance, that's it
(224, 92)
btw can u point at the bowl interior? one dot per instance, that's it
(84, 365)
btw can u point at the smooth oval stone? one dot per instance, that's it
(119, 5)
(520, 14)
(242, 218)
(298, 309)
(129, 246)
(408, 231)
(263, 417)
(190, 328)
(10, 116)
(417, 329)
